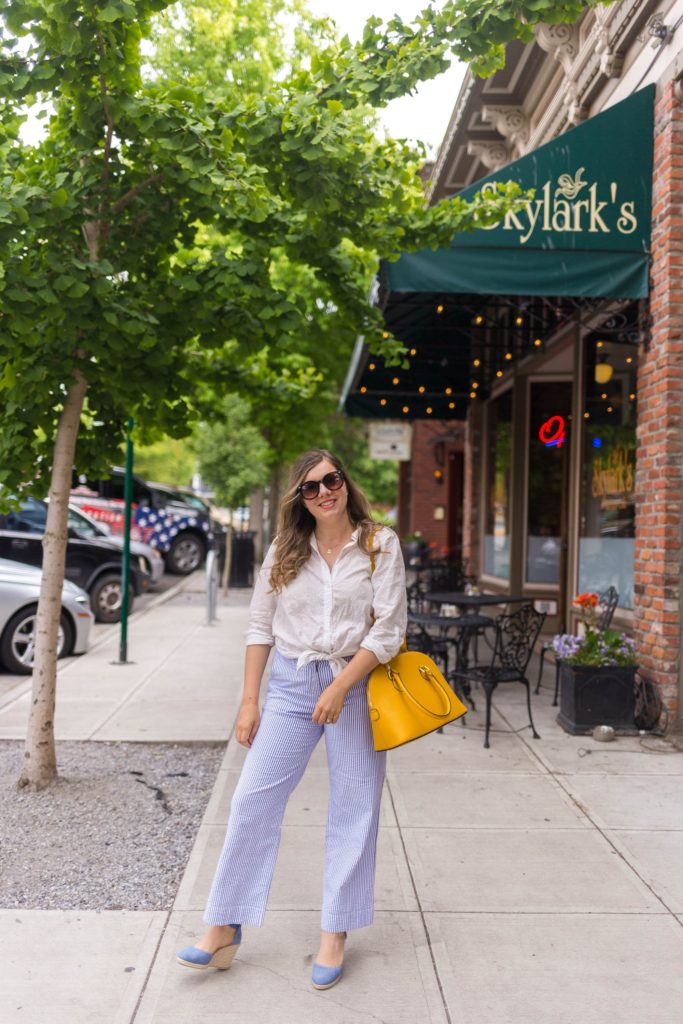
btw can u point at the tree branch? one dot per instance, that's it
(128, 196)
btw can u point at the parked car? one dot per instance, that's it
(85, 526)
(181, 499)
(93, 564)
(180, 533)
(19, 592)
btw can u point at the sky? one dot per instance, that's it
(424, 116)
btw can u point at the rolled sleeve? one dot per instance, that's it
(389, 599)
(263, 605)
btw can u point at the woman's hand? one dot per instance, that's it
(248, 721)
(330, 704)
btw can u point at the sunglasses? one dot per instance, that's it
(310, 489)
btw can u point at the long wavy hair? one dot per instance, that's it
(296, 523)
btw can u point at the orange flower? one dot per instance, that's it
(586, 600)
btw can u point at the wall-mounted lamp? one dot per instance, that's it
(604, 372)
(657, 29)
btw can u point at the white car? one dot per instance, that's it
(85, 526)
(19, 592)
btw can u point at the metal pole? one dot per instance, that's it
(211, 586)
(125, 568)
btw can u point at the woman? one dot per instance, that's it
(330, 597)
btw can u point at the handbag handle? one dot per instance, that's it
(428, 676)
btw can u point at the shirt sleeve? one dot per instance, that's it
(389, 599)
(263, 604)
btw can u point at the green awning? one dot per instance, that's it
(470, 311)
(586, 233)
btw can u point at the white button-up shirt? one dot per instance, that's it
(329, 614)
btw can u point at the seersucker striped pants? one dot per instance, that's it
(273, 766)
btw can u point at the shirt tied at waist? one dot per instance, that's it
(336, 662)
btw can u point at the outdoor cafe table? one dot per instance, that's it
(471, 621)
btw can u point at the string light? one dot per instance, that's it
(406, 408)
(632, 395)
(537, 342)
(519, 320)
(499, 373)
(629, 359)
(586, 415)
(363, 390)
(478, 320)
(451, 405)
(421, 389)
(385, 335)
(439, 309)
(609, 408)
(603, 395)
(449, 391)
(371, 366)
(508, 355)
(476, 362)
(429, 410)
(600, 344)
(473, 394)
(395, 380)
(475, 384)
(382, 401)
(413, 351)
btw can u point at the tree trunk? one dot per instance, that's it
(40, 763)
(256, 522)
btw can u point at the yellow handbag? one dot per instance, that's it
(408, 698)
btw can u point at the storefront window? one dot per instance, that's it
(547, 495)
(497, 532)
(607, 527)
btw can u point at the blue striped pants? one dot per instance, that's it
(272, 769)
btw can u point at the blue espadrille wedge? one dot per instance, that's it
(325, 977)
(193, 956)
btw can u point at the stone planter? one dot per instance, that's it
(591, 696)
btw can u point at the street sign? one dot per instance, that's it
(390, 440)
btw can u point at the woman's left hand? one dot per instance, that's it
(330, 704)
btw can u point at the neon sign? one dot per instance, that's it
(552, 432)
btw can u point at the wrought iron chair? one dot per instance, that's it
(607, 601)
(516, 635)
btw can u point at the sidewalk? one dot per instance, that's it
(537, 882)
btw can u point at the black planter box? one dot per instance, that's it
(591, 696)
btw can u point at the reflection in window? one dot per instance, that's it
(549, 422)
(607, 527)
(499, 461)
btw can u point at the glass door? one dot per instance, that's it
(547, 516)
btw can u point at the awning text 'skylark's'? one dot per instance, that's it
(585, 235)
(586, 232)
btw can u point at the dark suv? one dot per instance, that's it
(95, 565)
(181, 534)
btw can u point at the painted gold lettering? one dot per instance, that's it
(595, 208)
(512, 221)
(582, 204)
(562, 216)
(628, 222)
(546, 206)
(533, 211)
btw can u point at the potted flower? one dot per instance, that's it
(414, 548)
(597, 674)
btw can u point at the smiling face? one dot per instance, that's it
(329, 507)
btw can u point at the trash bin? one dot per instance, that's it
(242, 560)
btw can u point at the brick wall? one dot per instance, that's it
(426, 492)
(659, 457)
(473, 488)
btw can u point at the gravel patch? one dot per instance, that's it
(114, 833)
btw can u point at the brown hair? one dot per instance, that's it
(296, 523)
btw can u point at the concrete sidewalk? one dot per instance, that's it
(537, 882)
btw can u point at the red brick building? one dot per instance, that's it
(546, 384)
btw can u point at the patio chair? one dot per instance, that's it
(516, 635)
(607, 601)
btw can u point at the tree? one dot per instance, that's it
(118, 287)
(168, 460)
(232, 453)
